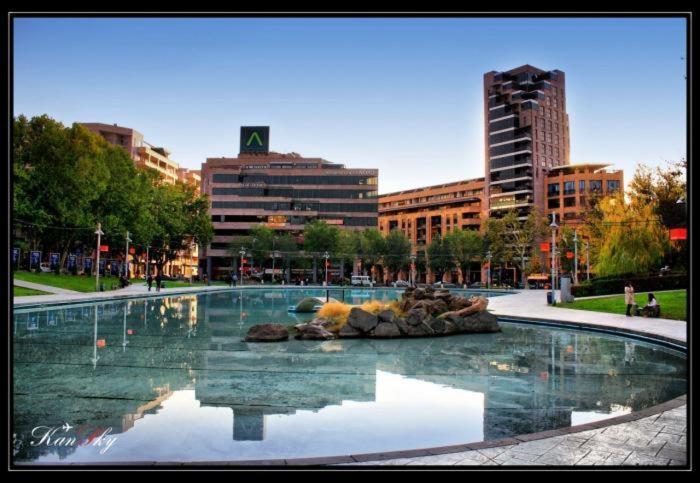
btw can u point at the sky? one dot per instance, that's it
(401, 95)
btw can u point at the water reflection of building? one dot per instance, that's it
(256, 380)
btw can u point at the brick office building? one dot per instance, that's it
(526, 132)
(282, 191)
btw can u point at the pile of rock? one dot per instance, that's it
(427, 313)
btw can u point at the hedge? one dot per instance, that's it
(609, 285)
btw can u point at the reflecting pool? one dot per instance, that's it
(171, 379)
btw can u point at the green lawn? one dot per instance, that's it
(22, 292)
(673, 304)
(81, 283)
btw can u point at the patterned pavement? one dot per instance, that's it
(658, 440)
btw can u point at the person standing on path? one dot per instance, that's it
(629, 297)
(234, 279)
(149, 281)
(159, 280)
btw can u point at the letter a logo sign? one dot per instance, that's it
(255, 139)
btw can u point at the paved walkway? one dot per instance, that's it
(43, 288)
(533, 304)
(658, 440)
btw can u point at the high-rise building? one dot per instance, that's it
(526, 133)
(282, 191)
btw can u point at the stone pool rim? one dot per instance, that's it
(661, 340)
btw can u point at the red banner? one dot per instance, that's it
(544, 247)
(104, 248)
(679, 233)
(132, 250)
(569, 255)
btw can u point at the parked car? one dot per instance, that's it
(401, 283)
(478, 285)
(44, 267)
(444, 285)
(361, 280)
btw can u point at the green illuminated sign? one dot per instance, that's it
(255, 139)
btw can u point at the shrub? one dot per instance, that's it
(336, 312)
(373, 306)
(610, 285)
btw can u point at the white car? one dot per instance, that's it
(44, 267)
(361, 280)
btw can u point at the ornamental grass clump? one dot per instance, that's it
(336, 312)
(373, 306)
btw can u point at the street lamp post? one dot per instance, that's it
(588, 266)
(554, 227)
(326, 257)
(242, 254)
(273, 259)
(413, 269)
(99, 234)
(126, 258)
(488, 272)
(575, 257)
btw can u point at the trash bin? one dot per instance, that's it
(102, 287)
(549, 298)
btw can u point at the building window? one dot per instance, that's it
(596, 186)
(581, 186)
(553, 189)
(570, 201)
(553, 203)
(613, 185)
(569, 187)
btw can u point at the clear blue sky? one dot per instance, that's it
(401, 95)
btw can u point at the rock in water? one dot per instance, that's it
(313, 332)
(306, 305)
(386, 329)
(348, 332)
(478, 322)
(362, 320)
(386, 315)
(267, 333)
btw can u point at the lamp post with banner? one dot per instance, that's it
(326, 257)
(242, 254)
(554, 227)
(413, 269)
(99, 234)
(488, 269)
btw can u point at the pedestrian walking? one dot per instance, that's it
(159, 281)
(234, 279)
(149, 281)
(629, 297)
(205, 279)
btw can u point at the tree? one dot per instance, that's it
(320, 237)
(440, 257)
(465, 246)
(496, 242)
(635, 240)
(348, 247)
(398, 251)
(179, 219)
(523, 236)
(372, 248)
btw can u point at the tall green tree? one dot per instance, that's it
(398, 251)
(348, 248)
(522, 236)
(373, 248)
(466, 246)
(180, 219)
(440, 258)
